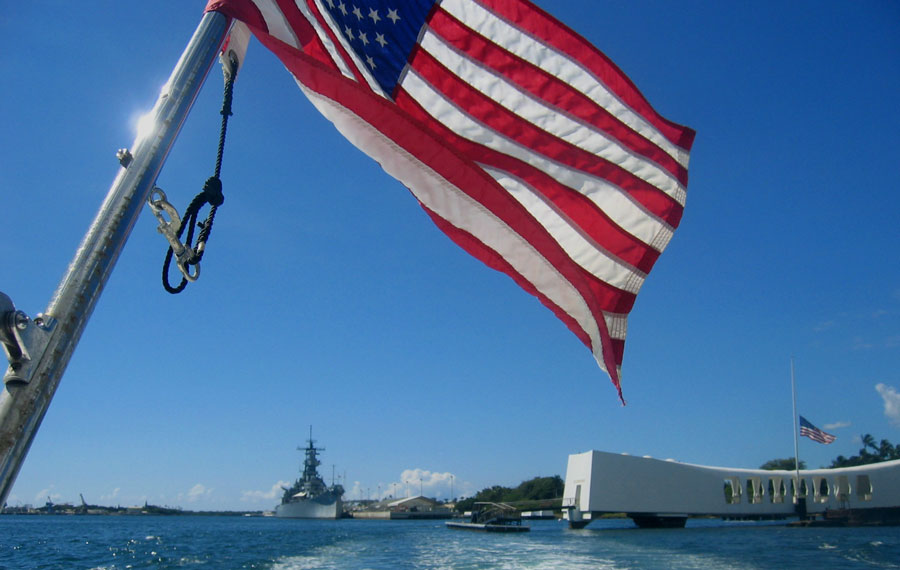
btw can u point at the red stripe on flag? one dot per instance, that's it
(507, 124)
(537, 23)
(596, 226)
(618, 349)
(246, 12)
(297, 22)
(551, 90)
(607, 297)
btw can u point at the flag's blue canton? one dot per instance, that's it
(381, 32)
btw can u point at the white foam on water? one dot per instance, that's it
(345, 554)
(503, 552)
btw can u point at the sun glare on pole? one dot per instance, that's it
(144, 125)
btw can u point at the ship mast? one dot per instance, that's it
(311, 460)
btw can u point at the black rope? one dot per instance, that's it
(211, 194)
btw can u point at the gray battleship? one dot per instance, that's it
(309, 497)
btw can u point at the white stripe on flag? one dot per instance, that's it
(592, 259)
(617, 324)
(550, 120)
(571, 72)
(607, 197)
(276, 23)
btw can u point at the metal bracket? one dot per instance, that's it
(169, 228)
(21, 337)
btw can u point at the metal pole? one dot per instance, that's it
(29, 388)
(796, 441)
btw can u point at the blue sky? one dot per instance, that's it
(328, 298)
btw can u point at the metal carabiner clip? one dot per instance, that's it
(161, 208)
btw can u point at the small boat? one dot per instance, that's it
(492, 517)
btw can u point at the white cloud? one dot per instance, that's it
(356, 491)
(433, 484)
(270, 495)
(836, 425)
(428, 478)
(430, 483)
(891, 402)
(198, 492)
(374, 492)
(412, 482)
(111, 496)
(47, 494)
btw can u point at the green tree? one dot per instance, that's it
(868, 441)
(883, 451)
(782, 464)
(536, 489)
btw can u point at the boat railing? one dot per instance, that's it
(495, 513)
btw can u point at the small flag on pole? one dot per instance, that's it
(523, 142)
(814, 433)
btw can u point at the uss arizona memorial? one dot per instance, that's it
(655, 492)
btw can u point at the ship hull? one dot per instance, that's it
(320, 508)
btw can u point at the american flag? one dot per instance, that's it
(523, 142)
(814, 433)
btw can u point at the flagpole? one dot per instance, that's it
(796, 438)
(39, 349)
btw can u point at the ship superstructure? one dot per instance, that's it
(309, 497)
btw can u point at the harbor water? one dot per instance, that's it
(220, 542)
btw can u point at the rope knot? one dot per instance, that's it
(212, 191)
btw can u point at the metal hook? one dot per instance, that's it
(161, 208)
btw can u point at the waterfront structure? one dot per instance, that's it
(655, 492)
(404, 509)
(309, 497)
